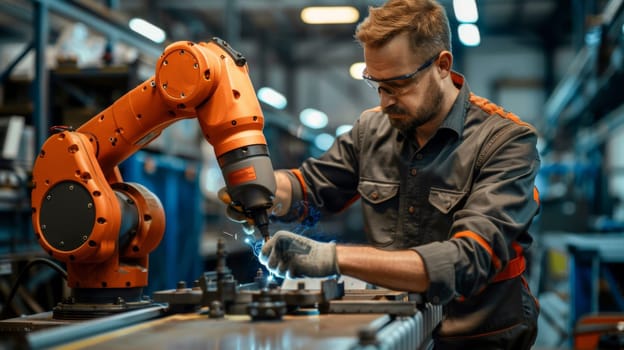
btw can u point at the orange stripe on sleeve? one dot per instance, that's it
(482, 243)
(350, 202)
(536, 195)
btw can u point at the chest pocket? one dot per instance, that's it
(380, 204)
(445, 203)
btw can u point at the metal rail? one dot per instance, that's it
(62, 335)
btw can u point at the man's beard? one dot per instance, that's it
(408, 123)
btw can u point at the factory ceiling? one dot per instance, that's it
(277, 36)
(276, 24)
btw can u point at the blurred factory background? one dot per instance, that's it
(557, 64)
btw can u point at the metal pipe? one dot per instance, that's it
(66, 334)
(7, 72)
(232, 25)
(41, 83)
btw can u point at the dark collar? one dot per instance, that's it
(455, 118)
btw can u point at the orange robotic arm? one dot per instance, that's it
(85, 215)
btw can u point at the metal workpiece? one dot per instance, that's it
(259, 299)
(221, 286)
(302, 297)
(216, 310)
(267, 305)
(181, 299)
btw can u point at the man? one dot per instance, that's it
(446, 180)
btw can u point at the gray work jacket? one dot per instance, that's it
(460, 201)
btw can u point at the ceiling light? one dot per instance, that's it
(323, 141)
(272, 98)
(469, 34)
(330, 14)
(148, 30)
(343, 128)
(313, 118)
(466, 11)
(356, 70)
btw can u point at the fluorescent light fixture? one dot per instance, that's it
(466, 11)
(356, 70)
(343, 128)
(323, 141)
(148, 30)
(469, 34)
(313, 118)
(272, 97)
(330, 14)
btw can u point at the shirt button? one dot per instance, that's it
(411, 210)
(413, 171)
(374, 195)
(419, 156)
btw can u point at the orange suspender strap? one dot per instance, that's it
(515, 267)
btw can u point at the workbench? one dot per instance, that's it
(219, 313)
(153, 329)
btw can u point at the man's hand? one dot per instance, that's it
(281, 202)
(291, 255)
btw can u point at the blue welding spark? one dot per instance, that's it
(256, 245)
(272, 278)
(309, 226)
(310, 221)
(314, 216)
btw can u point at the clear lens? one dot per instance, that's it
(379, 88)
(372, 84)
(394, 91)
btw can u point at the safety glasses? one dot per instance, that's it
(389, 85)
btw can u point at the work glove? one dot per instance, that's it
(290, 255)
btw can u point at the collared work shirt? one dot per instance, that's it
(459, 212)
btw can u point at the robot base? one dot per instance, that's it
(88, 303)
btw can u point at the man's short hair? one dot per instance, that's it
(425, 21)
